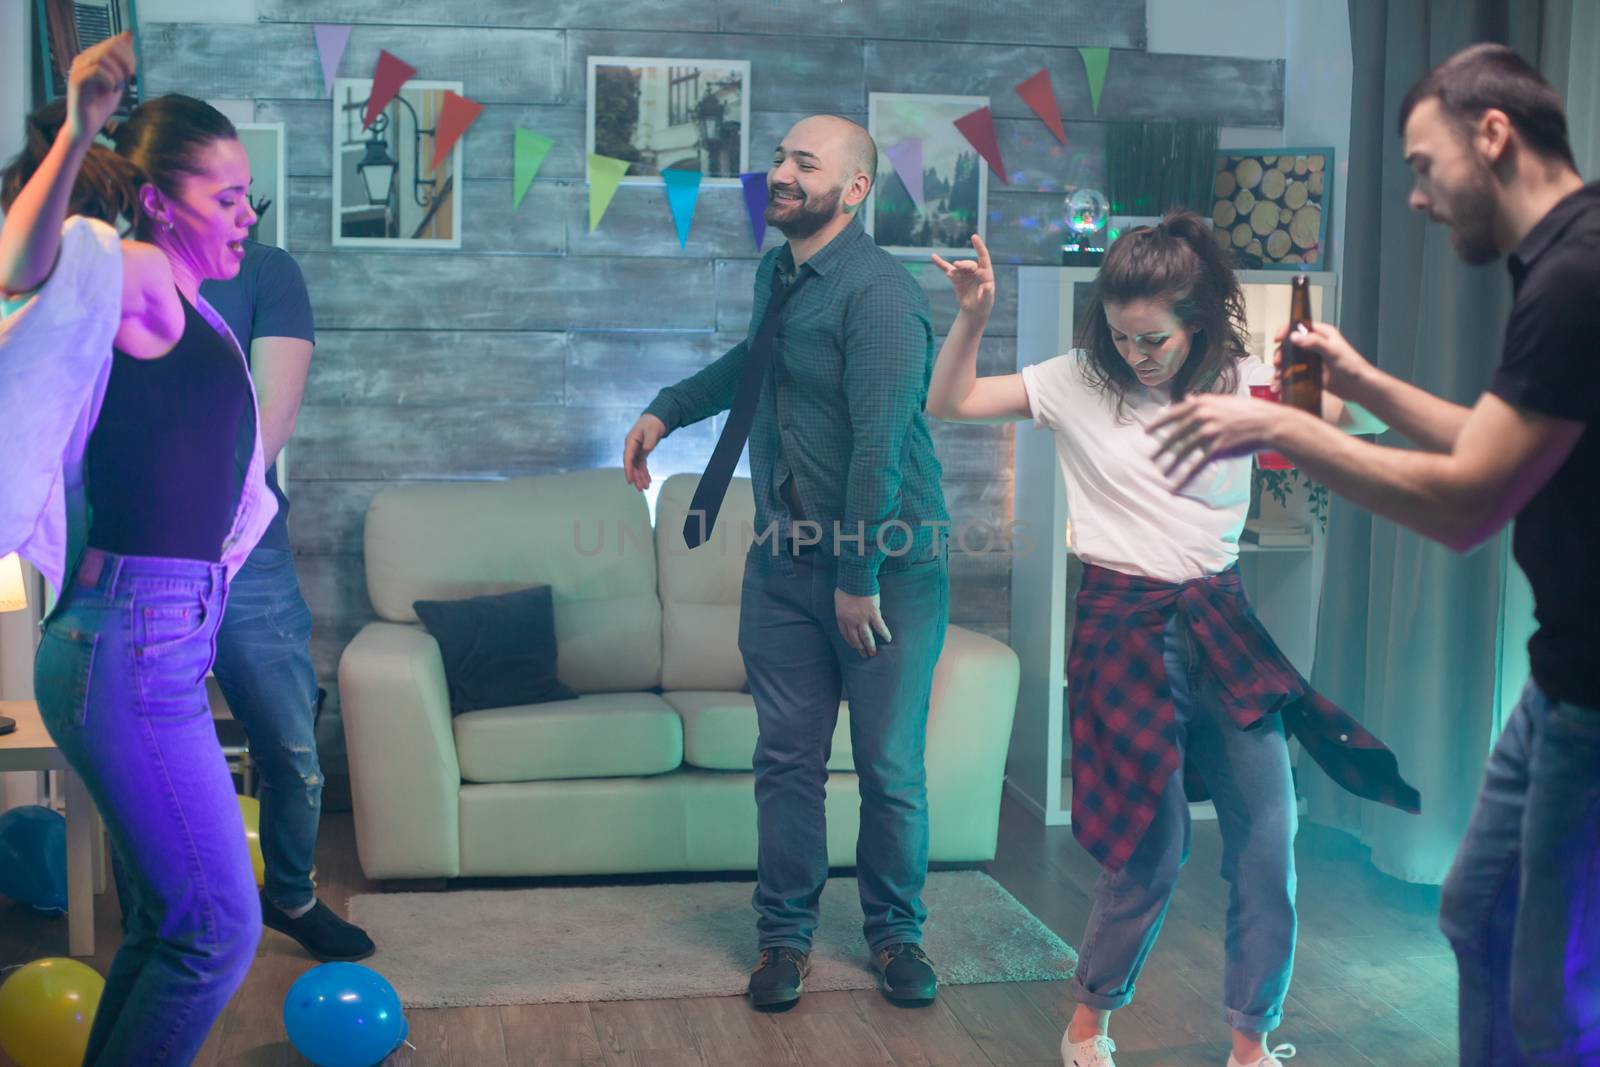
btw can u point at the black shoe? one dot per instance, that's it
(906, 974)
(779, 978)
(320, 932)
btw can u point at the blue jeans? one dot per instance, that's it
(1521, 905)
(264, 670)
(120, 680)
(1248, 775)
(799, 666)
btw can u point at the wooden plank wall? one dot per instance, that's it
(533, 348)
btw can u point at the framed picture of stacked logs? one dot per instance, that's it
(1270, 206)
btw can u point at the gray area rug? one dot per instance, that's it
(651, 942)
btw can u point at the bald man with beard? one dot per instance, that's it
(846, 589)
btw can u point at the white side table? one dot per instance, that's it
(30, 749)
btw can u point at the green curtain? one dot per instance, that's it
(1426, 646)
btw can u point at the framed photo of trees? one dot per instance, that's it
(952, 203)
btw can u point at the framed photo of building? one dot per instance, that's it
(661, 114)
(386, 191)
(264, 144)
(955, 179)
(67, 27)
(1270, 206)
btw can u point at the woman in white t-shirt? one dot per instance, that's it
(1166, 319)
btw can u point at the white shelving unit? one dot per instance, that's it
(1282, 583)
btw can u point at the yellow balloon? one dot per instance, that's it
(250, 808)
(46, 1010)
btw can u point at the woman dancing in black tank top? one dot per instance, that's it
(174, 486)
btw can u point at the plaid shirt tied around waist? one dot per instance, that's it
(1124, 725)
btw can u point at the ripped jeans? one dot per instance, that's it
(264, 670)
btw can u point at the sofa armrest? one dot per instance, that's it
(969, 731)
(405, 782)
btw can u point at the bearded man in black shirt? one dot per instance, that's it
(1486, 139)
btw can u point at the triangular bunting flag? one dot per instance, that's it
(531, 148)
(907, 159)
(455, 115)
(391, 73)
(1095, 61)
(605, 174)
(331, 42)
(683, 189)
(1040, 95)
(978, 128)
(755, 203)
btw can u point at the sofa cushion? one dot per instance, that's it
(586, 535)
(597, 826)
(700, 589)
(719, 730)
(600, 736)
(498, 650)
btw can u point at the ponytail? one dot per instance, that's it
(106, 188)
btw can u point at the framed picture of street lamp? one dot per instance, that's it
(387, 192)
(263, 143)
(665, 114)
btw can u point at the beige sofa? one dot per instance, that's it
(649, 770)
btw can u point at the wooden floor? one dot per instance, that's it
(1374, 984)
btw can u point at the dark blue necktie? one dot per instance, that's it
(713, 485)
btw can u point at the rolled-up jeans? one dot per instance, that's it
(1252, 789)
(120, 682)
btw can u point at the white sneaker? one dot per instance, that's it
(1095, 1052)
(1273, 1058)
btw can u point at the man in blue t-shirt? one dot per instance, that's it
(263, 663)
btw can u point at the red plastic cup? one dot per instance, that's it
(1271, 461)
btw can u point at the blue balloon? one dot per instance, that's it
(33, 857)
(344, 1015)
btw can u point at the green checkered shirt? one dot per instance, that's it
(841, 411)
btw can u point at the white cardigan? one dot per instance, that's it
(55, 360)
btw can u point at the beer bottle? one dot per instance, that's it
(1302, 368)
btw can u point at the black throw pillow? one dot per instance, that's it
(499, 651)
